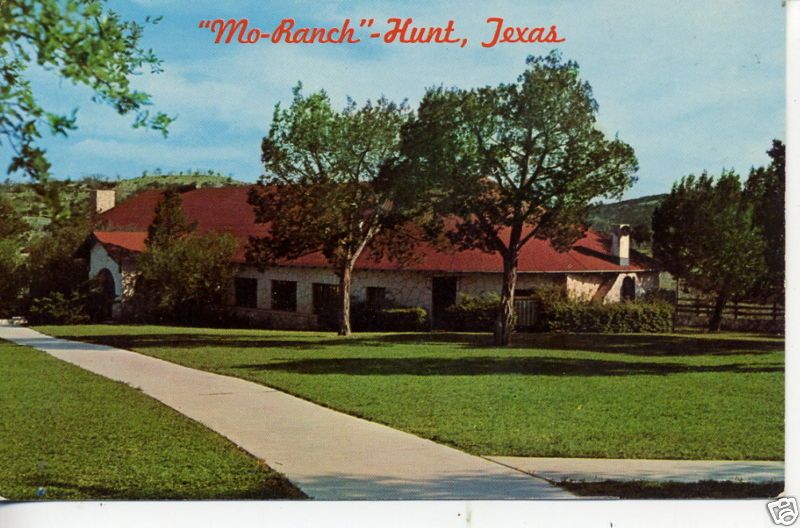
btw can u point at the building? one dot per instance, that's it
(296, 293)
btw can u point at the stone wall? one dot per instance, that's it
(587, 285)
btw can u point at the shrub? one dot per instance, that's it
(472, 314)
(58, 308)
(624, 317)
(181, 277)
(366, 318)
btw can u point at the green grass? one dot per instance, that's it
(705, 489)
(684, 396)
(68, 434)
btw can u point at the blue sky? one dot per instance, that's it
(690, 85)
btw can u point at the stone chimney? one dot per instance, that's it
(103, 200)
(621, 243)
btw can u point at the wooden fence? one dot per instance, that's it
(525, 310)
(693, 309)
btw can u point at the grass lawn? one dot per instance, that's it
(69, 434)
(685, 396)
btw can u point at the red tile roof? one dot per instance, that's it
(226, 209)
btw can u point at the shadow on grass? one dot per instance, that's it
(475, 366)
(276, 488)
(705, 489)
(630, 344)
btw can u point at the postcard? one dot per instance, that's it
(415, 253)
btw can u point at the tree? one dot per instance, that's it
(12, 229)
(182, 270)
(169, 222)
(766, 188)
(515, 162)
(641, 234)
(704, 233)
(83, 42)
(328, 188)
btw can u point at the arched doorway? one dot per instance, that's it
(628, 292)
(108, 294)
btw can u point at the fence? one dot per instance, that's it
(525, 311)
(692, 309)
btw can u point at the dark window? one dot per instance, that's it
(376, 296)
(284, 295)
(628, 292)
(325, 298)
(246, 292)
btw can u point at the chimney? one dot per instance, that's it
(621, 243)
(103, 200)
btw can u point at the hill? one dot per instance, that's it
(636, 212)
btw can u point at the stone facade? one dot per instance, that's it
(607, 287)
(403, 287)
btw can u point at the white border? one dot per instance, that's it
(655, 514)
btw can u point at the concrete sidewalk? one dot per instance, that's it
(327, 454)
(597, 469)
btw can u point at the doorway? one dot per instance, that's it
(108, 295)
(444, 291)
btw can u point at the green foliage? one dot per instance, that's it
(12, 223)
(179, 278)
(84, 43)
(169, 223)
(367, 318)
(12, 230)
(51, 264)
(629, 317)
(183, 272)
(79, 436)
(704, 233)
(11, 276)
(58, 308)
(766, 189)
(634, 212)
(472, 314)
(525, 157)
(326, 188)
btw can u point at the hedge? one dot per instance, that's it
(471, 314)
(623, 317)
(395, 319)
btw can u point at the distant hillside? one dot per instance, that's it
(130, 186)
(638, 211)
(33, 200)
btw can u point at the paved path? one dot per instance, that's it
(594, 469)
(328, 454)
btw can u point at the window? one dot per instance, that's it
(284, 295)
(376, 296)
(246, 292)
(325, 298)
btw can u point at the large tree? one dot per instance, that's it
(327, 186)
(704, 233)
(81, 41)
(515, 162)
(766, 188)
(183, 271)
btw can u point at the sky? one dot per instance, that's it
(690, 85)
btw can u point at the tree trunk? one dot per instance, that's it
(504, 324)
(715, 323)
(345, 278)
